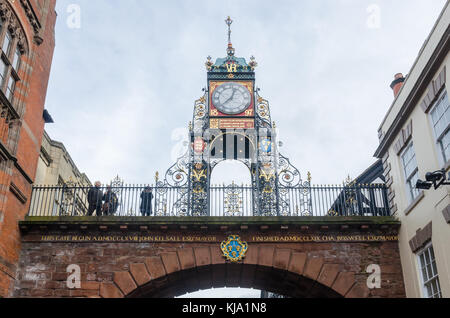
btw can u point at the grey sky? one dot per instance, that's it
(126, 80)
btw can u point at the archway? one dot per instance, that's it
(280, 271)
(171, 257)
(233, 145)
(231, 189)
(270, 279)
(229, 171)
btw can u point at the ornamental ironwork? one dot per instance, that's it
(231, 121)
(224, 200)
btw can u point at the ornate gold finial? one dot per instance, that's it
(274, 125)
(309, 177)
(209, 64)
(253, 64)
(190, 125)
(157, 176)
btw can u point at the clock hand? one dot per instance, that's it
(231, 98)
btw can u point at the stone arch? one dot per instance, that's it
(279, 270)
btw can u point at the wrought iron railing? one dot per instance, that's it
(232, 200)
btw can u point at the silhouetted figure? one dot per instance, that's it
(146, 201)
(95, 199)
(111, 202)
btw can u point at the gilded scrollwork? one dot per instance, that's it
(289, 176)
(263, 111)
(199, 186)
(200, 115)
(177, 175)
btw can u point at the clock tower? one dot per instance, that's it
(232, 122)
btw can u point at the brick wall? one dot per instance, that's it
(17, 169)
(328, 269)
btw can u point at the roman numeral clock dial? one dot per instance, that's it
(231, 98)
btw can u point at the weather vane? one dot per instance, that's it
(229, 22)
(230, 49)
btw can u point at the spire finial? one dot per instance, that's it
(230, 49)
(229, 22)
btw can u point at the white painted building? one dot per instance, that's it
(415, 140)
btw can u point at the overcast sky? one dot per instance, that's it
(124, 81)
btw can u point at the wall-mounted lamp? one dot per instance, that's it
(436, 179)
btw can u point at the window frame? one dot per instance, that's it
(420, 266)
(5, 73)
(11, 91)
(16, 68)
(8, 58)
(10, 43)
(438, 139)
(411, 188)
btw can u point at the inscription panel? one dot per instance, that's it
(144, 238)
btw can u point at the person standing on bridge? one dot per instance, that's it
(95, 199)
(111, 202)
(146, 202)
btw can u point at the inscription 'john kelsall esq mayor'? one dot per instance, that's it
(192, 239)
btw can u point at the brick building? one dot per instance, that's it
(27, 43)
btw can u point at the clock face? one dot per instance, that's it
(231, 98)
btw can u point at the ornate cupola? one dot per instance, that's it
(231, 67)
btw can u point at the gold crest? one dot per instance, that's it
(234, 249)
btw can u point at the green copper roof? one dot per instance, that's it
(236, 64)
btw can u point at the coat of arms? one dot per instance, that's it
(234, 249)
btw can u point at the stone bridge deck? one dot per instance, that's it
(166, 257)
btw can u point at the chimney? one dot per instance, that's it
(397, 84)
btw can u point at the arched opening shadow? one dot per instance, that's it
(234, 275)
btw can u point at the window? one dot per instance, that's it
(16, 60)
(3, 69)
(6, 43)
(411, 171)
(10, 60)
(440, 118)
(10, 88)
(428, 270)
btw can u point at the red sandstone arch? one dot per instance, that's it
(273, 269)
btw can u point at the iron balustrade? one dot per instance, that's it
(231, 200)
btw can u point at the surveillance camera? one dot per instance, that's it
(435, 176)
(422, 185)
